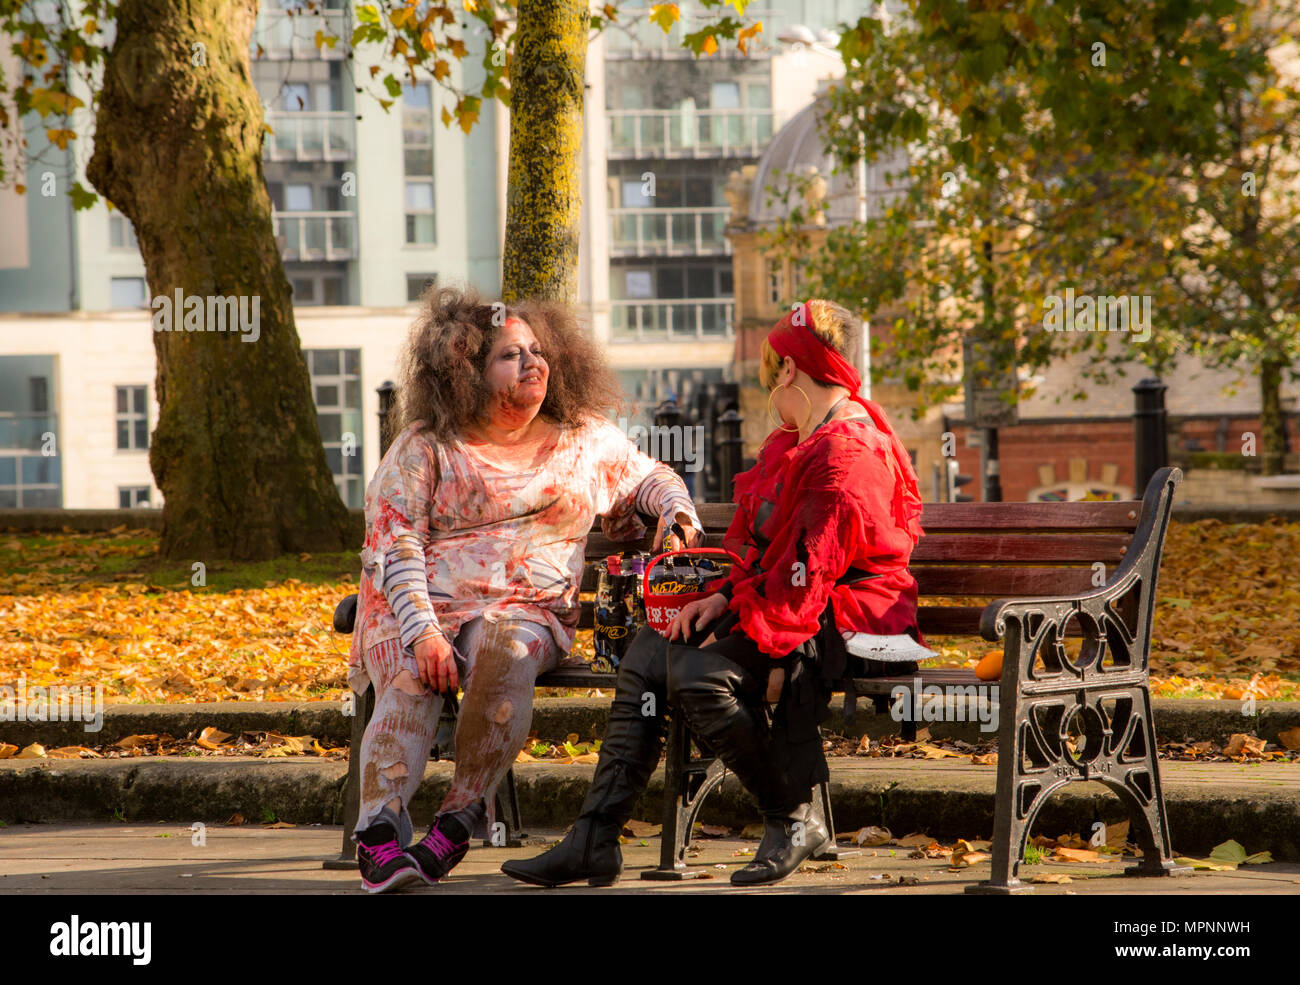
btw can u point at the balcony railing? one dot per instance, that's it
(670, 319)
(282, 35)
(688, 132)
(317, 136)
(26, 432)
(316, 235)
(669, 232)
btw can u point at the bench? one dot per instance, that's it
(1068, 588)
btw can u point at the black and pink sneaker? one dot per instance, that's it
(441, 850)
(384, 866)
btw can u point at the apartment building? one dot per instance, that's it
(372, 206)
(665, 133)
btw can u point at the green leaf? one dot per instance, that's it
(366, 14)
(393, 86)
(82, 197)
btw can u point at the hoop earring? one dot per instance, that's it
(776, 421)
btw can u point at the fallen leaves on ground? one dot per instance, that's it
(642, 829)
(1226, 857)
(965, 855)
(1076, 855)
(564, 753)
(209, 742)
(984, 752)
(872, 836)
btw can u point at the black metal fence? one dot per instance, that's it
(707, 464)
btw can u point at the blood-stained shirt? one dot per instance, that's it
(837, 500)
(497, 541)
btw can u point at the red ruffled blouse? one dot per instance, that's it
(840, 499)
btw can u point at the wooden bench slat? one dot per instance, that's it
(1121, 515)
(1003, 582)
(992, 548)
(1118, 515)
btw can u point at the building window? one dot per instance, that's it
(336, 386)
(132, 497)
(297, 198)
(297, 97)
(417, 163)
(775, 282)
(724, 95)
(121, 234)
(126, 292)
(132, 419)
(417, 284)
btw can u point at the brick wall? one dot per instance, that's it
(1087, 448)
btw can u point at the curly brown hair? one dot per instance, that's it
(445, 355)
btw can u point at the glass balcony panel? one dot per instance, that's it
(341, 232)
(41, 499)
(312, 137)
(32, 429)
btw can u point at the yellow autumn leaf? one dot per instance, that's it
(742, 39)
(665, 15)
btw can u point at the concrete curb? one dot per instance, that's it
(1207, 804)
(554, 718)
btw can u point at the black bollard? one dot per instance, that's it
(668, 422)
(1150, 439)
(730, 450)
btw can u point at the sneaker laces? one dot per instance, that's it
(441, 846)
(388, 852)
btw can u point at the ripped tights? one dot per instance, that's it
(504, 659)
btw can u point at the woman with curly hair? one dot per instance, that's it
(476, 524)
(824, 526)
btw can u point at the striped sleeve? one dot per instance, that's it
(406, 586)
(663, 494)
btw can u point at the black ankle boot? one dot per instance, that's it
(589, 851)
(789, 840)
(629, 752)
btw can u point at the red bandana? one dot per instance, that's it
(793, 336)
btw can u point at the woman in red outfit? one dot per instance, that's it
(825, 525)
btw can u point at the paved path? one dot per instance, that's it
(160, 858)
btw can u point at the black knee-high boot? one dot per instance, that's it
(720, 705)
(629, 752)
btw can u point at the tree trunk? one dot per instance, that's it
(542, 203)
(178, 149)
(1273, 447)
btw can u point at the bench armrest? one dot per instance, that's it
(345, 614)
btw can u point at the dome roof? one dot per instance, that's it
(797, 147)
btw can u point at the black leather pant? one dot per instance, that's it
(723, 703)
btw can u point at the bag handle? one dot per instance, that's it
(645, 577)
